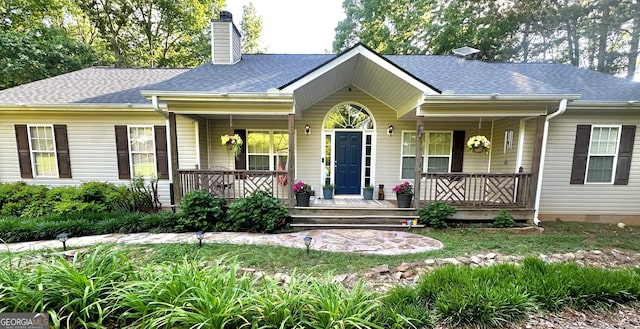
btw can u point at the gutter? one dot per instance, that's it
(543, 153)
(156, 106)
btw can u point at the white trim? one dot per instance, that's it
(196, 129)
(155, 156)
(425, 146)
(272, 152)
(359, 50)
(169, 153)
(520, 152)
(492, 148)
(402, 133)
(231, 43)
(32, 153)
(615, 155)
(213, 43)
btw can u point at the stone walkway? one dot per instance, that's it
(353, 241)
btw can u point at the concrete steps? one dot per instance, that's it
(357, 218)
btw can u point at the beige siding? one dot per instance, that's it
(91, 145)
(221, 43)
(560, 197)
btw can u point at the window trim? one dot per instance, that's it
(426, 150)
(615, 155)
(32, 152)
(132, 170)
(402, 156)
(272, 152)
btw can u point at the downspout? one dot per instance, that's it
(156, 107)
(543, 154)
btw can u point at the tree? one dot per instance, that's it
(251, 27)
(30, 56)
(148, 33)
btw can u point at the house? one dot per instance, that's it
(562, 138)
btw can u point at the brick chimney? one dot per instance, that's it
(225, 40)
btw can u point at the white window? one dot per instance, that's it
(43, 151)
(603, 149)
(408, 155)
(267, 150)
(439, 151)
(142, 151)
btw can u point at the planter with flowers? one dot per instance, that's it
(404, 194)
(303, 193)
(479, 144)
(233, 143)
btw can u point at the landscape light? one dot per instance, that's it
(63, 237)
(307, 242)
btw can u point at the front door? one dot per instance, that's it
(348, 165)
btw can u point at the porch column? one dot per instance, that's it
(535, 161)
(173, 154)
(291, 175)
(418, 169)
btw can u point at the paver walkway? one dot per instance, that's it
(354, 241)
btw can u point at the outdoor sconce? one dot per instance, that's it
(390, 130)
(199, 235)
(63, 237)
(307, 242)
(307, 130)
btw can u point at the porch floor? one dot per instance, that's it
(351, 202)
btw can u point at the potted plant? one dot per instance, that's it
(479, 144)
(404, 194)
(303, 193)
(367, 192)
(327, 191)
(233, 143)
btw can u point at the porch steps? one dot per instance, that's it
(303, 218)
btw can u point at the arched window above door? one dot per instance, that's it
(348, 116)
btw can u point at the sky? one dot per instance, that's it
(294, 26)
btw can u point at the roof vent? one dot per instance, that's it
(465, 51)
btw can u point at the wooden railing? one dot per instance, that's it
(234, 184)
(477, 190)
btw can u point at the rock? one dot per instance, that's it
(397, 275)
(544, 258)
(464, 260)
(451, 261)
(339, 278)
(475, 260)
(74, 252)
(403, 267)
(282, 278)
(596, 252)
(621, 225)
(380, 269)
(491, 255)
(430, 262)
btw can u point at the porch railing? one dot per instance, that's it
(234, 184)
(477, 190)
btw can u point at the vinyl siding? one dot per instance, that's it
(504, 161)
(560, 197)
(221, 43)
(92, 146)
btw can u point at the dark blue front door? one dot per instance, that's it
(348, 162)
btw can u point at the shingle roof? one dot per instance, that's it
(91, 85)
(261, 72)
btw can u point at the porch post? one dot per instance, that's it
(535, 161)
(173, 151)
(418, 169)
(292, 158)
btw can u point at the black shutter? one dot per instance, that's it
(580, 153)
(625, 151)
(162, 154)
(62, 149)
(24, 154)
(457, 151)
(122, 150)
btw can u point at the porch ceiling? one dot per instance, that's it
(367, 71)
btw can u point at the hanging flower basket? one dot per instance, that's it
(233, 143)
(479, 144)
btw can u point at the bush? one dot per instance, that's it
(200, 211)
(436, 214)
(504, 219)
(21, 198)
(260, 212)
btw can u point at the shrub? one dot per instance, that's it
(260, 212)
(200, 211)
(504, 219)
(21, 198)
(402, 307)
(436, 214)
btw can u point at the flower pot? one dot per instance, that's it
(368, 194)
(327, 193)
(229, 145)
(404, 200)
(302, 199)
(478, 149)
